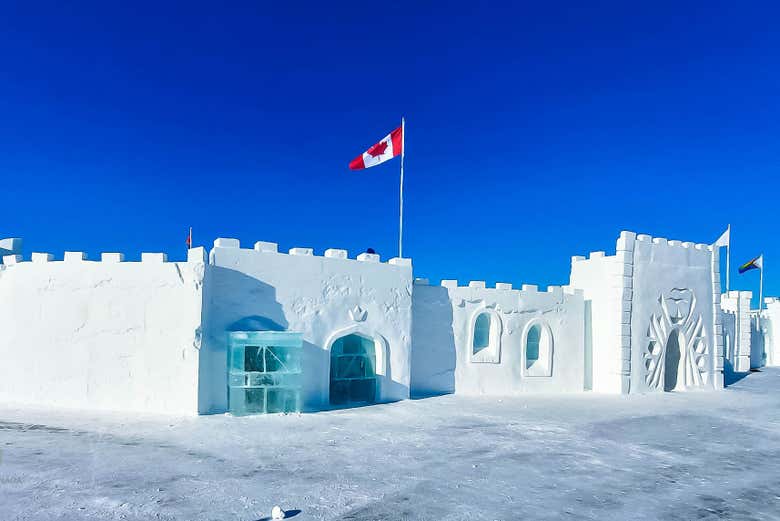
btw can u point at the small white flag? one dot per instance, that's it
(723, 240)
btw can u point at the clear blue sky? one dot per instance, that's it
(535, 131)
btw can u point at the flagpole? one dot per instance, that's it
(401, 193)
(728, 258)
(761, 287)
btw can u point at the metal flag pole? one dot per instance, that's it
(761, 287)
(401, 196)
(728, 258)
(760, 294)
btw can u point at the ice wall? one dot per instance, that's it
(322, 297)
(102, 334)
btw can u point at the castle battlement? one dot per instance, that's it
(263, 247)
(194, 255)
(627, 241)
(502, 287)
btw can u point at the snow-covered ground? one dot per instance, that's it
(675, 456)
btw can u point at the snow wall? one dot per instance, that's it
(769, 326)
(101, 334)
(655, 317)
(736, 322)
(322, 297)
(433, 340)
(531, 341)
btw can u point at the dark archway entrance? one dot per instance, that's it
(672, 361)
(353, 371)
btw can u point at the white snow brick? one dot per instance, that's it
(333, 253)
(368, 257)
(197, 254)
(266, 247)
(74, 256)
(154, 257)
(8, 260)
(398, 261)
(223, 242)
(42, 257)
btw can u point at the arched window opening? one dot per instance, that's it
(481, 332)
(532, 345)
(485, 337)
(538, 350)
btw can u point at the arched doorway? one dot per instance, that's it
(672, 361)
(353, 375)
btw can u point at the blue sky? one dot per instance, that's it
(535, 131)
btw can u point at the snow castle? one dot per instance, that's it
(254, 330)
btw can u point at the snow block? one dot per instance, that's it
(503, 285)
(266, 247)
(42, 257)
(531, 288)
(154, 257)
(449, 283)
(112, 257)
(301, 251)
(398, 261)
(74, 256)
(577, 258)
(626, 241)
(368, 257)
(196, 254)
(333, 253)
(421, 282)
(8, 260)
(13, 244)
(477, 284)
(223, 242)
(596, 255)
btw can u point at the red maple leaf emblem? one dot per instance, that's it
(378, 149)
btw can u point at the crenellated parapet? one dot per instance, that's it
(264, 248)
(194, 255)
(501, 287)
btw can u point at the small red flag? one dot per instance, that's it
(189, 239)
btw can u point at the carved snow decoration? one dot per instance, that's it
(358, 314)
(676, 336)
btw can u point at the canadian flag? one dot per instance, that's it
(388, 147)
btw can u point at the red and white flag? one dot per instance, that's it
(389, 147)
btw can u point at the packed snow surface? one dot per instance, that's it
(673, 456)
